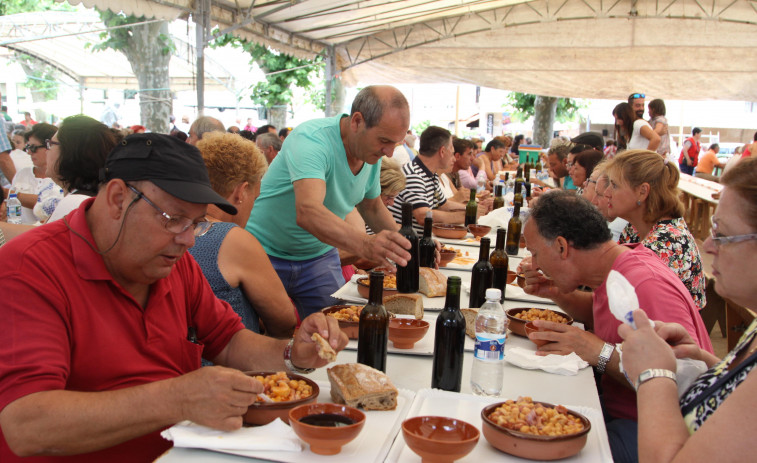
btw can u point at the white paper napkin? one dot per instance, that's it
(276, 435)
(567, 365)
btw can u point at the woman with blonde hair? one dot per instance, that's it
(232, 259)
(644, 190)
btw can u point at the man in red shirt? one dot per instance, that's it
(689, 157)
(110, 317)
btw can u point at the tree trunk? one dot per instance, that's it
(149, 61)
(544, 119)
(338, 94)
(39, 93)
(277, 116)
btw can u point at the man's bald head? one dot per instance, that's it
(203, 125)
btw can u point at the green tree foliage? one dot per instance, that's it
(122, 39)
(277, 88)
(29, 6)
(522, 105)
(421, 126)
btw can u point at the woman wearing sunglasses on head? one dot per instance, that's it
(30, 181)
(712, 420)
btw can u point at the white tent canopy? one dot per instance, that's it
(673, 49)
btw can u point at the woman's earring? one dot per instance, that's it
(638, 202)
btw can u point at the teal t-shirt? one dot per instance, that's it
(567, 183)
(313, 150)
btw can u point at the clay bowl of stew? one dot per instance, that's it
(439, 439)
(533, 446)
(364, 286)
(261, 412)
(350, 328)
(326, 427)
(449, 231)
(518, 325)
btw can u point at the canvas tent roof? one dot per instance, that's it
(673, 49)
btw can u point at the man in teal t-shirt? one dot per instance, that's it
(327, 167)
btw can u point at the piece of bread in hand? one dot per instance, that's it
(470, 321)
(325, 351)
(432, 282)
(405, 304)
(358, 385)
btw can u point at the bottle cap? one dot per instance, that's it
(493, 293)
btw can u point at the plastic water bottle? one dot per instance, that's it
(481, 181)
(14, 207)
(489, 353)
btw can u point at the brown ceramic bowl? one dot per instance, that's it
(349, 328)
(446, 257)
(261, 413)
(531, 446)
(530, 328)
(405, 332)
(364, 289)
(439, 439)
(511, 275)
(521, 280)
(522, 242)
(449, 231)
(518, 326)
(479, 230)
(326, 440)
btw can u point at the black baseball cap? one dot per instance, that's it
(593, 139)
(173, 165)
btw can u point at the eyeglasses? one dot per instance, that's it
(29, 148)
(49, 143)
(638, 95)
(569, 164)
(176, 224)
(720, 240)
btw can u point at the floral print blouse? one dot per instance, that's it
(672, 241)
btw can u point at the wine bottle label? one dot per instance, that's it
(489, 347)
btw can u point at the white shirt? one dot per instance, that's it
(26, 182)
(638, 141)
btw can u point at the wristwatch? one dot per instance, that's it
(652, 373)
(604, 357)
(288, 360)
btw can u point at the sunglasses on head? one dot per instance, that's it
(638, 95)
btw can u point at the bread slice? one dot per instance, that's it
(432, 282)
(358, 385)
(325, 351)
(470, 321)
(405, 304)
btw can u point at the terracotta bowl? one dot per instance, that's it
(530, 328)
(349, 328)
(439, 439)
(261, 413)
(325, 440)
(511, 275)
(521, 280)
(479, 230)
(405, 332)
(449, 231)
(522, 242)
(531, 446)
(446, 257)
(363, 288)
(518, 326)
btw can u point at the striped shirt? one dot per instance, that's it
(422, 189)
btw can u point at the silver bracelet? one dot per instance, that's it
(2, 237)
(288, 360)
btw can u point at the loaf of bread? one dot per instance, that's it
(470, 321)
(432, 282)
(405, 304)
(358, 385)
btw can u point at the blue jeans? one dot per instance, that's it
(686, 169)
(310, 283)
